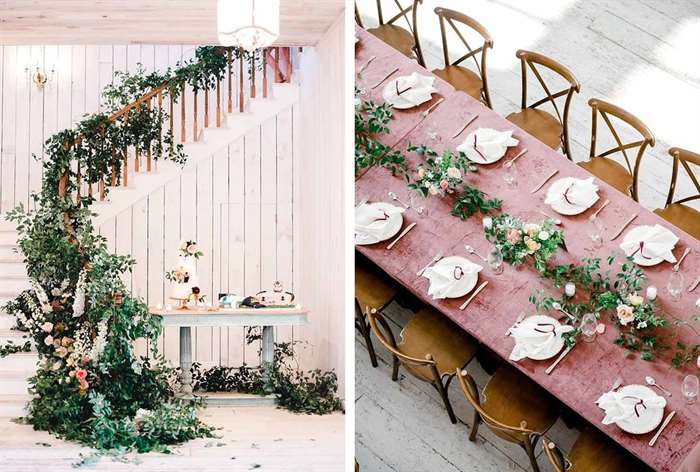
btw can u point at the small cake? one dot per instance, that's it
(185, 283)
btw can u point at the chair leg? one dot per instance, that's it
(446, 400)
(475, 427)
(362, 326)
(395, 371)
(530, 449)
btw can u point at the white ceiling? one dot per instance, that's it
(302, 22)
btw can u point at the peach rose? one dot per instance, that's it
(47, 327)
(444, 184)
(48, 340)
(635, 300)
(625, 314)
(454, 173)
(513, 236)
(532, 245)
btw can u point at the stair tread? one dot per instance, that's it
(14, 398)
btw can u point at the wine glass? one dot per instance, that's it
(690, 388)
(595, 231)
(675, 285)
(589, 324)
(417, 202)
(511, 175)
(495, 260)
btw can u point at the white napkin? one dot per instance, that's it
(442, 277)
(370, 220)
(530, 342)
(491, 144)
(654, 242)
(409, 90)
(618, 406)
(572, 191)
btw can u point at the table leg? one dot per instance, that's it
(185, 359)
(268, 353)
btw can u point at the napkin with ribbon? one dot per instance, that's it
(487, 145)
(651, 243)
(371, 220)
(619, 406)
(409, 90)
(444, 277)
(573, 191)
(534, 336)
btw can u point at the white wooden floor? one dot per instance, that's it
(252, 438)
(643, 55)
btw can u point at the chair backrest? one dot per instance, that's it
(683, 157)
(386, 338)
(605, 110)
(517, 434)
(411, 21)
(358, 18)
(531, 60)
(555, 456)
(450, 17)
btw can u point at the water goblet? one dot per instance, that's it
(690, 388)
(595, 231)
(510, 175)
(589, 325)
(417, 202)
(495, 260)
(675, 285)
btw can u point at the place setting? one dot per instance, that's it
(537, 337)
(379, 221)
(452, 277)
(649, 245)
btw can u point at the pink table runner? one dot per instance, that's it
(591, 368)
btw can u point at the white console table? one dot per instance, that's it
(268, 318)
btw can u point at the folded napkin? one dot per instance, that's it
(487, 145)
(650, 243)
(444, 277)
(619, 406)
(533, 336)
(409, 90)
(371, 220)
(572, 191)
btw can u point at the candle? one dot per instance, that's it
(159, 307)
(651, 293)
(697, 303)
(487, 222)
(570, 289)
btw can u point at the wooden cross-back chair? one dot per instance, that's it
(460, 77)
(404, 40)
(431, 348)
(683, 216)
(591, 451)
(550, 129)
(514, 408)
(622, 178)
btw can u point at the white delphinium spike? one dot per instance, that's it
(79, 302)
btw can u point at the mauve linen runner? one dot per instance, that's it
(590, 368)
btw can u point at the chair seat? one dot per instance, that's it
(511, 398)
(539, 124)
(372, 287)
(611, 172)
(592, 452)
(462, 79)
(686, 218)
(395, 36)
(431, 332)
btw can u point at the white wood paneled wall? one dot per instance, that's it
(239, 206)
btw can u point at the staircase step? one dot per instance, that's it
(11, 286)
(13, 383)
(12, 268)
(23, 362)
(8, 237)
(7, 322)
(12, 406)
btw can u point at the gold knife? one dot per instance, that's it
(471, 120)
(624, 226)
(694, 285)
(403, 233)
(385, 77)
(536, 189)
(474, 294)
(662, 427)
(561, 356)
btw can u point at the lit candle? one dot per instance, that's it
(570, 289)
(697, 303)
(651, 293)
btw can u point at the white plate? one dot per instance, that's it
(556, 347)
(561, 206)
(632, 235)
(391, 228)
(399, 102)
(476, 158)
(466, 283)
(649, 418)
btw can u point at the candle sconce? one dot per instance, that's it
(39, 77)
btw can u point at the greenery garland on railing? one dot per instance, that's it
(90, 386)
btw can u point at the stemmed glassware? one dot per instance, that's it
(417, 203)
(595, 230)
(675, 284)
(690, 388)
(495, 260)
(589, 325)
(510, 175)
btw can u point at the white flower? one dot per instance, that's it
(47, 327)
(641, 325)
(454, 173)
(358, 102)
(421, 172)
(487, 222)
(697, 303)
(48, 340)
(56, 365)
(56, 292)
(430, 175)
(433, 190)
(634, 299)
(543, 235)
(426, 184)
(531, 229)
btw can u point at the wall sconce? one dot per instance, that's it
(39, 77)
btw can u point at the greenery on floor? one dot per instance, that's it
(313, 392)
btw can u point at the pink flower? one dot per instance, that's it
(192, 248)
(80, 374)
(83, 385)
(47, 327)
(444, 184)
(625, 314)
(85, 359)
(513, 236)
(61, 351)
(48, 340)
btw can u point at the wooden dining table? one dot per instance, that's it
(591, 368)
